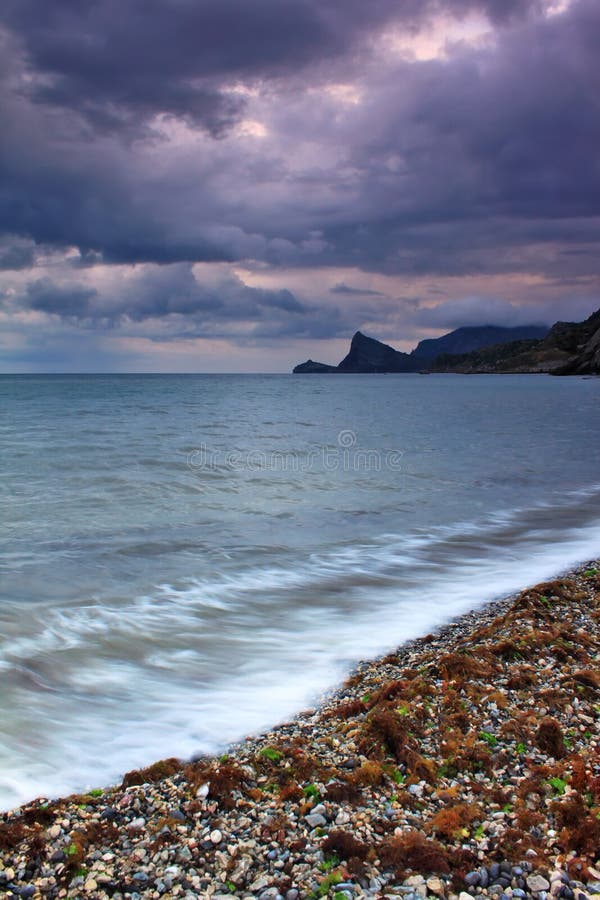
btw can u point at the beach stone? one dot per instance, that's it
(315, 820)
(416, 790)
(202, 791)
(593, 887)
(436, 886)
(537, 883)
(292, 894)
(473, 879)
(90, 885)
(216, 836)
(54, 832)
(464, 896)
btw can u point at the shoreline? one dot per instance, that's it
(467, 761)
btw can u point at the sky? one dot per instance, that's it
(238, 185)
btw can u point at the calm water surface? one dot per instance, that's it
(189, 559)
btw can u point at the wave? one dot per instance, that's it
(113, 684)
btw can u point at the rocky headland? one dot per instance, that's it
(568, 348)
(463, 765)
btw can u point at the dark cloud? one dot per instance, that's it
(186, 306)
(342, 288)
(120, 64)
(442, 167)
(67, 302)
(16, 253)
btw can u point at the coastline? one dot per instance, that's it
(466, 761)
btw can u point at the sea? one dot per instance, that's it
(189, 559)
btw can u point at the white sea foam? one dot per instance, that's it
(198, 665)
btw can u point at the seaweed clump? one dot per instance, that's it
(453, 820)
(549, 738)
(156, 772)
(346, 847)
(412, 850)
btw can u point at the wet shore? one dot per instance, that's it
(465, 763)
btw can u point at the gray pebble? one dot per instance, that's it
(315, 820)
(473, 879)
(537, 883)
(292, 894)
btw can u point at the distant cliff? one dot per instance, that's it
(367, 355)
(569, 348)
(469, 339)
(310, 367)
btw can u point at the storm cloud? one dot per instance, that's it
(266, 139)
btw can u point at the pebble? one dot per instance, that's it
(315, 820)
(537, 883)
(216, 836)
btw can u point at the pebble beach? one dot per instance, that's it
(465, 764)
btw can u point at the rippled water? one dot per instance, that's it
(187, 559)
